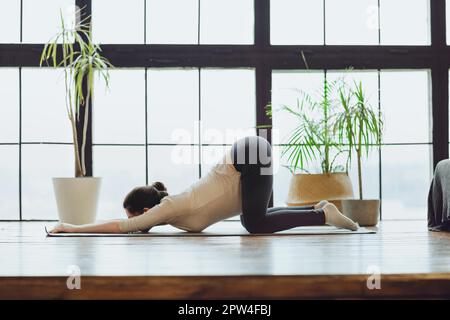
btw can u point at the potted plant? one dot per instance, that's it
(314, 140)
(72, 50)
(360, 127)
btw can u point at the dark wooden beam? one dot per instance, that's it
(262, 23)
(438, 23)
(263, 75)
(284, 57)
(86, 12)
(263, 97)
(228, 287)
(439, 80)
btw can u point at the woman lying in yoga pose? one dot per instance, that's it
(240, 184)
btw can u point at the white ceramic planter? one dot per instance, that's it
(77, 199)
(365, 212)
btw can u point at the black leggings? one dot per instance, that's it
(252, 157)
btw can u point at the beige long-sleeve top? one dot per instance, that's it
(214, 197)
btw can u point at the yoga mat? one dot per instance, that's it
(221, 229)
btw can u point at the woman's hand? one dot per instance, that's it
(64, 227)
(98, 227)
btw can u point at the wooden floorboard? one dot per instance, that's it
(412, 261)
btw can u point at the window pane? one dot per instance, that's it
(175, 166)
(9, 182)
(370, 175)
(351, 22)
(41, 163)
(44, 116)
(370, 167)
(121, 169)
(405, 103)
(368, 79)
(172, 105)
(228, 105)
(406, 177)
(119, 112)
(10, 21)
(287, 88)
(405, 22)
(211, 155)
(226, 22)
(42, 21)
(281, 178)
(296, 22)
(9, 109)
(172, 21)
(117, 21)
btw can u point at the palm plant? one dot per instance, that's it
(358, 125)
(314, 137)
(73, 50)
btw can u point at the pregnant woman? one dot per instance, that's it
(241, 184)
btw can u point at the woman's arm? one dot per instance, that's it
(158, 215)
(98, 227)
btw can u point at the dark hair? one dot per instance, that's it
(144, 197)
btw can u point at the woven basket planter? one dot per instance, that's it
(307, 189)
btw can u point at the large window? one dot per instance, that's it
(174, 21)
(191, 120)
(399, 172)
(356, 22)
(9, 139)
(193, 75)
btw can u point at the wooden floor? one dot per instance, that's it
(413, 263)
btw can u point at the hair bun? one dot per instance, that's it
(159, 186)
